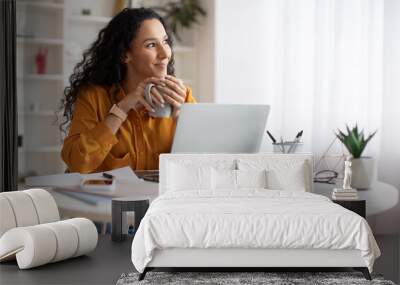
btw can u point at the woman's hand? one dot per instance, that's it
(136, 99)
(174, 93)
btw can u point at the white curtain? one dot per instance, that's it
(318, 63)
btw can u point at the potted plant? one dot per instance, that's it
(362, 166)
(180, 14)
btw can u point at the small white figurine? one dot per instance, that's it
(347, 174)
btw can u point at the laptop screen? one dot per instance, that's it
(220, 128)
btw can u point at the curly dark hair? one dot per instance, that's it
(102, 63)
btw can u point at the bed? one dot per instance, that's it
(245, 211)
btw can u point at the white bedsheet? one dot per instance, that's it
(250, 218)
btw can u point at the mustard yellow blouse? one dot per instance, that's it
(92, 147)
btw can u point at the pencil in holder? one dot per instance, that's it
(287, 147)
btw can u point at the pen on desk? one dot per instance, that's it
(107, 175)
(271, 137)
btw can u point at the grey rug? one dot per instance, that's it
(273, 278)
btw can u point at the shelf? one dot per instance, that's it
(32, 40)
(56, 148)
(44, 5)
(89, 19)
(48, 77)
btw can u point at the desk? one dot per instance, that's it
(140, 189)
(99, 209)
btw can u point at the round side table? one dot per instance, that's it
(119, 207)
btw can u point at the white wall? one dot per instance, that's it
(239, 77)
(252, 68)
(205, 45)
(242, 54)
(240, 51)
(390, 143)
(246, 66)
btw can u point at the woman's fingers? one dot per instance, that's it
(154, 80)
(174, 93)
(176, 85)
(145, 104)
(173, 102)
(167, 92)
(177, 81)
(157, 97)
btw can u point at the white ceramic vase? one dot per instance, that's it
(362, 172)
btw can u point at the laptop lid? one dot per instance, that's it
(220, 128)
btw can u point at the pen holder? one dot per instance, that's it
(287, 147)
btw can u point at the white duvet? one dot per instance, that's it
(250, 218)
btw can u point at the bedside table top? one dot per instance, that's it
(348, 200)
(383, 202)
(381, 196)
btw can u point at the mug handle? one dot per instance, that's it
(147, 94)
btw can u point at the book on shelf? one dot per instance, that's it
(341, 190)
(345, 199)
(349, 196)
(344, 194)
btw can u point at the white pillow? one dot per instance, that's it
(182, 177)
(223, 179)
(237, 179)
(251, 178)
(283, 174)
(290, 179)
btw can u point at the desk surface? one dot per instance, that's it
(137, 188)
(141, 189)
(102, 266)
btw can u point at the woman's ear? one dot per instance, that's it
(126, 58)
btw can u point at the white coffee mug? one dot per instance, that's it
(160, 112)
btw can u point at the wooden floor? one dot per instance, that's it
(110, 260)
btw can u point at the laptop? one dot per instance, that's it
(217, 128)
(220, 128)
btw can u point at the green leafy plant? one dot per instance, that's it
(181, 13)
(354, 140)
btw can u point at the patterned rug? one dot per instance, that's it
(242, 278)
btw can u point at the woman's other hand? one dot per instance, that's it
(174, 93)
(136, 99)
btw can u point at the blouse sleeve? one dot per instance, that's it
(89, 139)
(189, 96)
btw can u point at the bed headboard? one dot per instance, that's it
(237, 161)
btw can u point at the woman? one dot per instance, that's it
(110, 124)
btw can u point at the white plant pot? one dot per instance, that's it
(362, 172)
